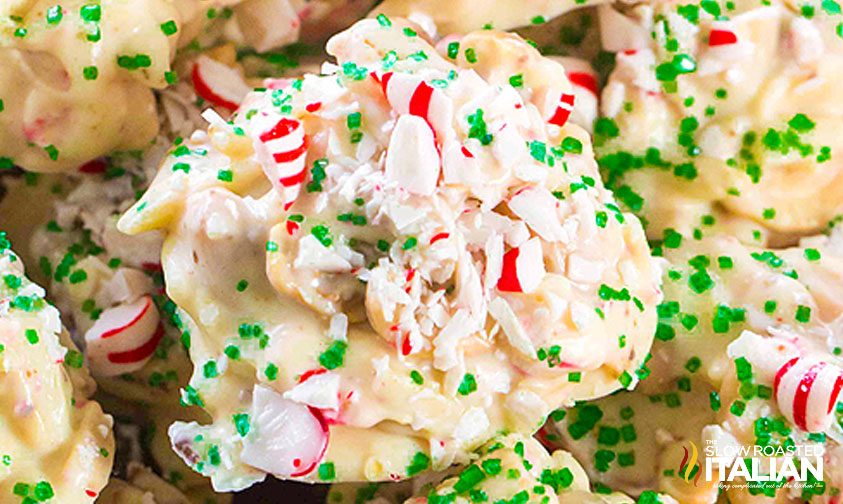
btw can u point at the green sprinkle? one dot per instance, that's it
(323, 235)
(801, 123)
(241, 423)
(353, 120)
(492, 467)
(516, 80)
(242, 285)
(419, 463)
(770, 306)
(54, 15)
(417, 377)
(572, 145)
(52, 152)
(169, 28)
(233, 352)
(471, 55)
(225, 175)
(271, 372)
(90, 13)
(334, 356)
(453, 49)
(812, 254)
(90, 73)
(78, 276)
(209, 370)
(74, 359)
(831, 7)
(384, 21)
(469, 478)
(327, 471)
(410, 243)
(803, 314)
(31, 336)
(468, 385)
(43, 491)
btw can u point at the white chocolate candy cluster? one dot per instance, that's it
(749, 339)
(389, 263)
(109, 290)
(55, 443)
(77, 77)
(730, 108)
(512, 468)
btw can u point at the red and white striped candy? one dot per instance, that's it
(806, 391)
(283, 143)
(523, 268)
(586, 89)
(287, 439)
(219, 84)
(124, 338)
(408, 94)
(561, 109)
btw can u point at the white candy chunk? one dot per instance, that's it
(313, 255)
(286, 438)
(529, 265)
(807, 40)
(765, 354)
(446, 344)
(127, 285)
(411, 160)
(124, 338)
(619, 33)
(537, 207)
(515, 333)
(471, 426)
(267, 24)
(338, 329)
(319, 390)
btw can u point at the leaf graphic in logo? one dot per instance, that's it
(689, 464)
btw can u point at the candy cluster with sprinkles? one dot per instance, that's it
(724, 106)
(421, 251)
(79, 77)
(407, 229)
(56, 444)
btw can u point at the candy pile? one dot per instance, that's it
(417, 227)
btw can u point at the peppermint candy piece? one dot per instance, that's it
(124, 338)
(283, 147)
(721, 38)
(287, 439)
(408, 94)
(807, 390)
(561, 110)
(218, 84)
(411, 159)
(523, 268)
